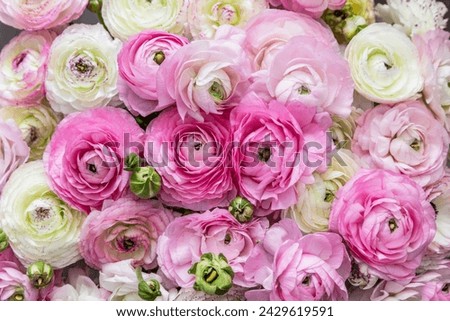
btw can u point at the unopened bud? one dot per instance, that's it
(145, 182)
(40, 274)
(241, 209)
(3, 240)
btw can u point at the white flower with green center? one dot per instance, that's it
(83, 69)
(38, 224)
(37, 124)
(413, 16)
(384, 64)
(206, 16)
(314, 205)
(127, 18)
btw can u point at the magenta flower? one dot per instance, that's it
(217, 231)
(193, 160)
(85, 158)
(139, 62)
(386, 222)
(125, 229)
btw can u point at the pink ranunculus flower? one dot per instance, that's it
(434, 53)
(308, 71)
(290, 267)
(204, 77)
(404, 138)
(269, 31)
(122, 230)
(193, 160)
(85, 157)
(14, 151)
(15, 284)
(139, 61)
(278, 147)
(217, 231)
(23, 66)
(37, 15)
(386, 221)
(313, 8)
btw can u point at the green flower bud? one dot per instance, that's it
(148, 290)
(145, 182)
(18, 295)
(95, 6)
(132, 162)
(40, 274)
(213, 274)
(3, 240)
(241, 209)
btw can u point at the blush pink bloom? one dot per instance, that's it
(14, 151)
(37, 15)
(313, 8)
(85, 157)
(276, 150)
(13, 280)
(139, 62)
(217, 231)
(193, 160)
(290, 267)
(434, 53)
(204, 77)
(269, 31)
(308, 71)
(23, 67)
(386, 222)
(404, 138)
(124, 229)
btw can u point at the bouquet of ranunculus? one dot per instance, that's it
(225, 150)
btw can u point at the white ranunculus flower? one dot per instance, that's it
(413, 16)
(206, 16)
(38, 224)
(127, 18)
(441, 242)
(121, 280)
(384, 64)
(314, 204)
(37, 124)
(83, 70)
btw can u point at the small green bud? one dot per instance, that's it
(212, 273)
(132, 162)
(145, 182)
(95, 6)
(241, 209)
(147, 290)
(40, 274)
(3, 240)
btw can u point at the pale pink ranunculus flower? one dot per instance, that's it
(193, 160)
(38, 15)
(85, 158)
(14, 151)
(404, 138)
(14, 282)
(23, 67)
(308, 71)
(386, 222)
(269, 31)
(434, 53)
(292, 267)
(139, 61)
(216, 231)
(124, 229)
(313, 8)
(204, 77)
(278, 147)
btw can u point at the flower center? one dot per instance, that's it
(159, 57)
(128, 244)
(227, 239)
(304, 90)
(415, 145)
(264, 154)
(41, 213)
(32, 135)
(227, 14)
(306, 280)
(217, 91)
(210, 275)
(446, 288)
(392, 224)
(19, 59)
(387, 66)
(329, 196)
(92, 168)
(81, 66)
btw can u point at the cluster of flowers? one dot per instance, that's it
(225, 150)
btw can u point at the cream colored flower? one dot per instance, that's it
(38, 224)
(342, 129)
